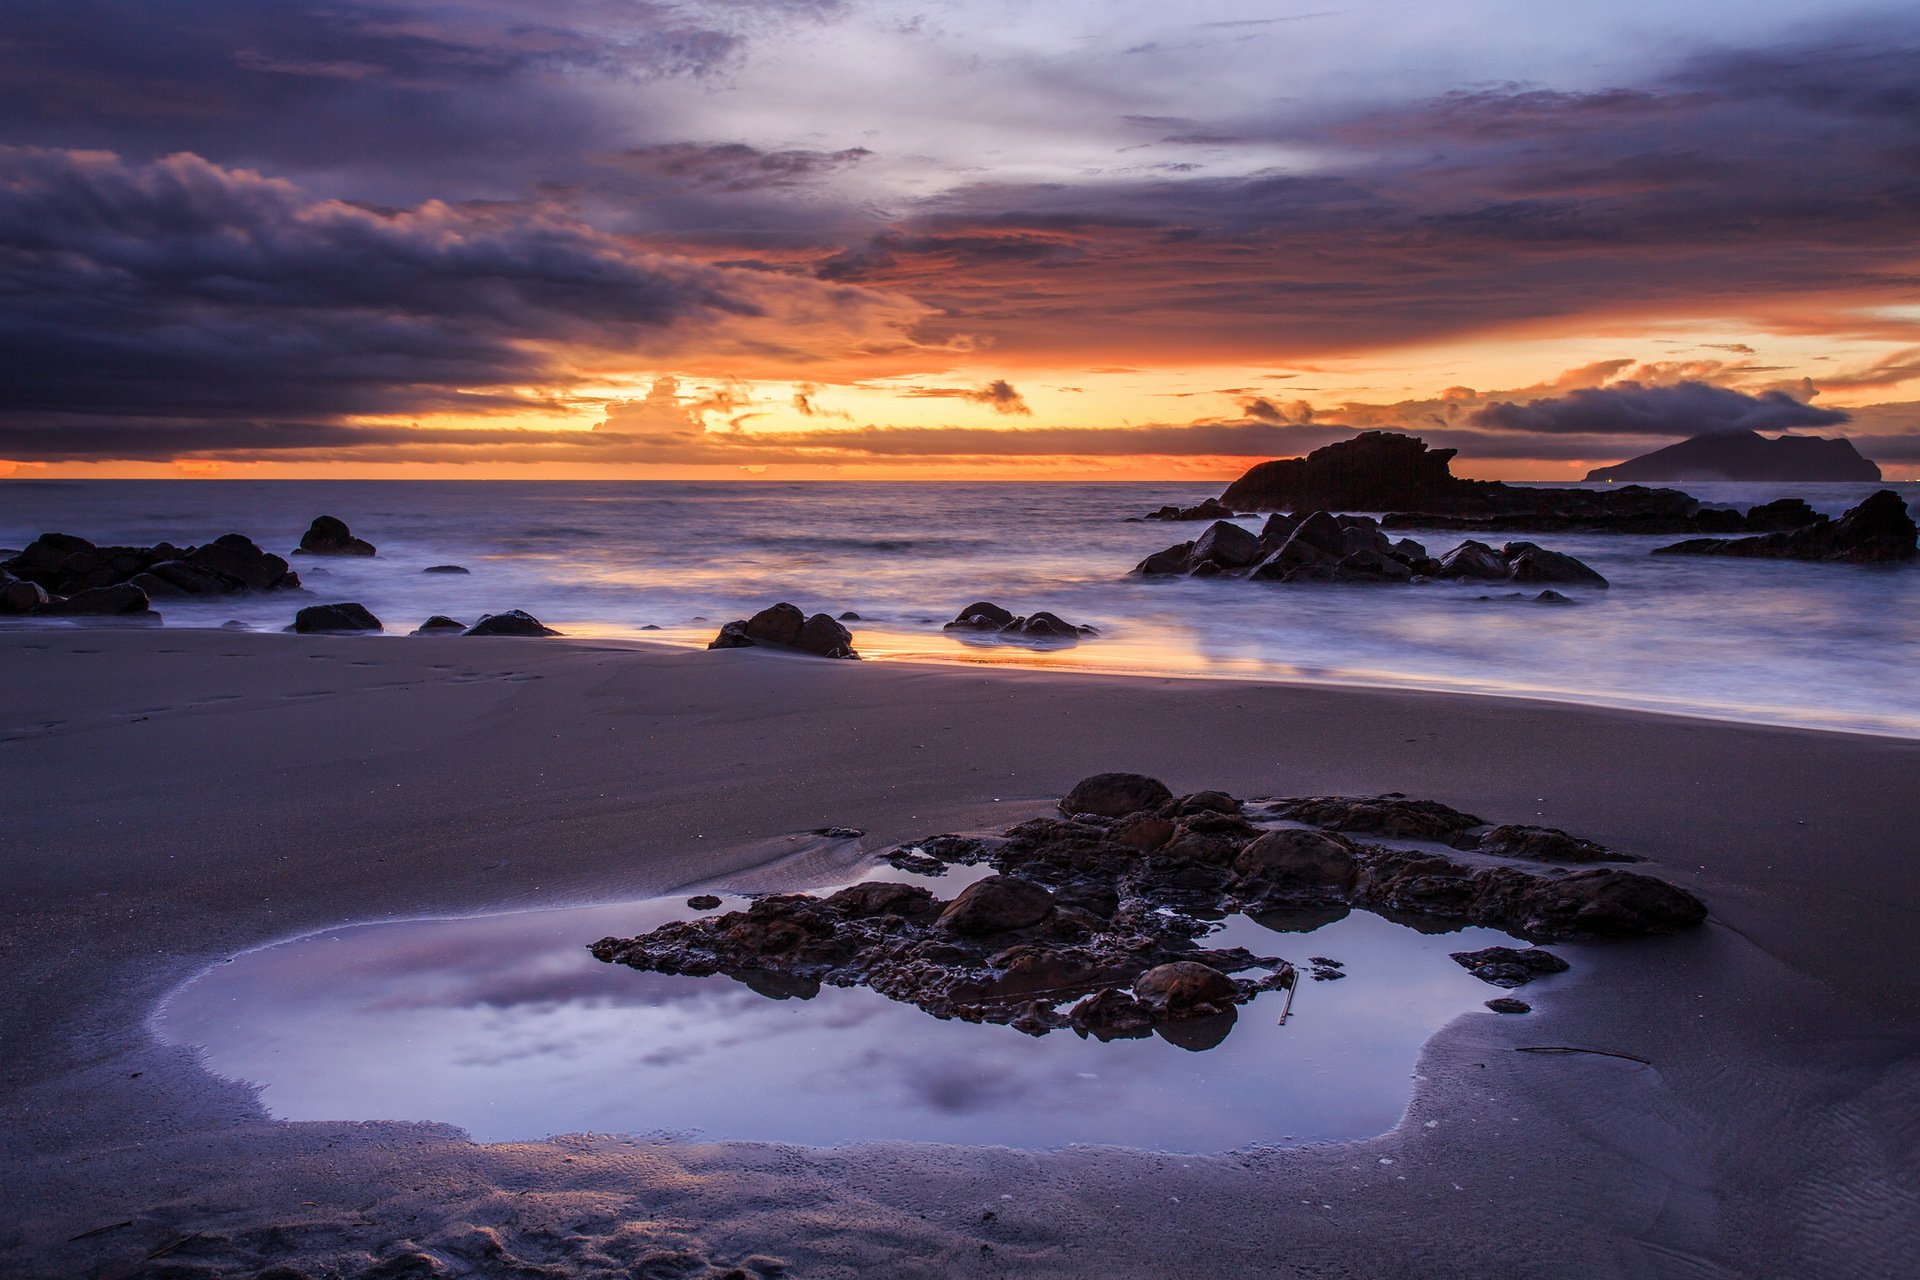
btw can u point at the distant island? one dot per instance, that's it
(1746, 455)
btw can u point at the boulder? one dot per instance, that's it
(1529, 563)
(1605, 903)
(981, 615)
(824, 636)
(1111, 1014)
(325, 619)
(120, 601)
(1186, 989)
(1161, 564)
(446, 568)
(439, 625)
(997, 904)
(178, 578)
(329, 536)
(1508, 966)
(1227, 545)
(514, 622)
(1474, 560)
(1114, 795)
(776, 624)
(1879, 530)
(18, 597)
(235, 556)
(1544, 844)
(1297, 858)
(1211, 509)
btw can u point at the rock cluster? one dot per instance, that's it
(60, 574)
(1388, 472)
(1323, 547)
(1092, 919)
(786, 626)
(983, 617)
(329, 536)
(1211, 509)
(1878, 530)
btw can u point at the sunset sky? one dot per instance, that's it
(844, 238)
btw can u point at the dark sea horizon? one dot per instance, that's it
(1827, 646)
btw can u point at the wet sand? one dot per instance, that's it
(171, 797)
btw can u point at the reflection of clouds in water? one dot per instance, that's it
(956, 1088)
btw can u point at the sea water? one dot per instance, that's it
(1766, 641)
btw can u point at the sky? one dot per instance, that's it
(1086, 239)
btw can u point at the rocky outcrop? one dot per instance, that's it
(1879, 530)
(1748, 456)
(985, 618)
(440, 625)
(334, 619)
(1323, 547)
(514, 622)
(1211, 509)
(123, 600)
(64, 565)
(1095, 921)
(1398, 474)
(329, 536)
(785, 626)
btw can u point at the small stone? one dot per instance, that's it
(1507, 1004)
(703, 902)
(446, 568)
(1186, 989)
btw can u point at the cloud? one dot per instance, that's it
(734, 166)
(1635, 409)
(999, 395)
(182, 289)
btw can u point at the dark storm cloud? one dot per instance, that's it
(1634, 409)
(180, 289)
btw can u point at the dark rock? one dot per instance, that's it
(1507, 1004)
(733, 635)
(850, 616)
(1747, 456)
(1545, 844)
(1297, 858)
(1878, 530)
(318, 619)
(1475, 560)
(1185, 989)
(996, 905)
(1529, 563)
(22, 597)
(1551, 596)
(776, 624)
(65, 565)
(329, 536)
(1603, 903)
(514, 622)
(981, 615)
(1112, 1014)
(121, 601)
(1389, 815)
(446, 568)
(821, 635)
(1227, 545)
(1114, 795)
(1211, 509)
(234, 556)
(1174, 560)
(439, 624)
(1509, 966)
(703, 902)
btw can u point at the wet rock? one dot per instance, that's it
(885, 898)
(1879, 530)
(122, 601)
(703, 902)
(1211, 509)
(785, 626)
(1114, 795)
(19, 597)
(1112, 1014)
(1143, 831)
(1293, 858)
(1599, 903)
(1507, 1004)
(1509, 966)
(1474, 560)
(1551, 597)
(1529, 563)
(850, 616)
(334, 619)
(1544, 844)
(1390, 815)
(996, 905)
(1185, 989)
(329, 536)
(235, 557)
(438, 625)
(446, 568)
(981, 615)
(1227, 545)
(65, 565)
(514, 622)
(1169, 563)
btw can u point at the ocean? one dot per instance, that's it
(1829, 646)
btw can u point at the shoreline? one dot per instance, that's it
(187, 804)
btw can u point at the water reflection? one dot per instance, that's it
(508, 1028)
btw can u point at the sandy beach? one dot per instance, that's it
(174, 797)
